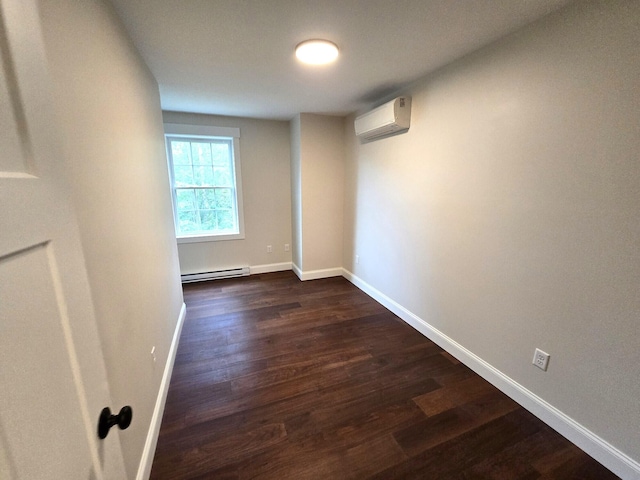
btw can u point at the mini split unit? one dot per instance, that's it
(392, 117)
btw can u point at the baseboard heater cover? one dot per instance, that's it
(215, 274)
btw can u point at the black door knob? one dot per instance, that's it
(106, 421)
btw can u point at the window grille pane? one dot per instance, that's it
(207, 220)
(222, 177)
(188, 222)
(226, 220)
(221, 153)
(201, 153)
(224, 199)
(180, 152)
(203, 176)
(183, 176)
(205, 199)
(185, 199)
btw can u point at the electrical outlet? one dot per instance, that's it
(269, 249)
(541, 359)
(357, 258)
(286, 247)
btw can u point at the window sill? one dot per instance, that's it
(210, 238)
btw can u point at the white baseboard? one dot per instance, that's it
(605, 453)
(296, 270)
(144, 469)
(317, 274)
(270, 267)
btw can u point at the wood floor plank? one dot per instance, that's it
(280, 379)
(449, 459)
(513, 462)
(358, 462)
(206, 456)
(453, 395)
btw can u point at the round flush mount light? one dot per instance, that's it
(317, 52)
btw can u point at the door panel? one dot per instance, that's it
(38, 408)
(53, 381)
(13, 159)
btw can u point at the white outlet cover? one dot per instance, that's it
(541, 359)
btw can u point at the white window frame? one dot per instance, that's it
(203, 131)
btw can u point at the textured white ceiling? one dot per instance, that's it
(236, 57)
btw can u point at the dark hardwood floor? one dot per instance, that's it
(281, 379)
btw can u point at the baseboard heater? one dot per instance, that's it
(215, 274)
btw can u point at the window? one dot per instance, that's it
(205, 182)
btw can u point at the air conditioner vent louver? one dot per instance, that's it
(393, 116)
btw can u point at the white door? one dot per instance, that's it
(52, 376)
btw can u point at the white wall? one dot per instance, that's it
(296, 191)
(266, 186)
(322, 148)
(508, 216)
(317, 165)
(111, 126)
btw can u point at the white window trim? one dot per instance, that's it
(194, 131)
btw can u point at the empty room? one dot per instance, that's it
(296, 239)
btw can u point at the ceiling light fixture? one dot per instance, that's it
(317, 52)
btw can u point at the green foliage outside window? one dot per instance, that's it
(204, 185)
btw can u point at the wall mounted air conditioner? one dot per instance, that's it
(391, 117)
